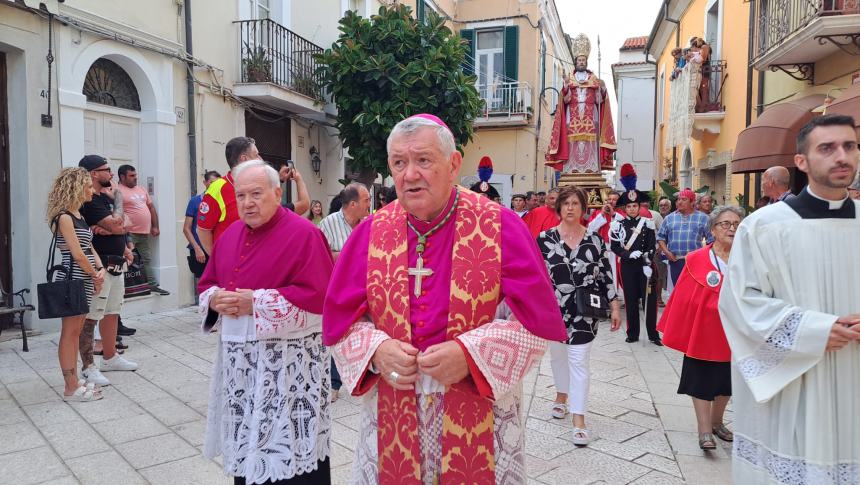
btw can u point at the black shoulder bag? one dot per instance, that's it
(591, 301)
(65, 297)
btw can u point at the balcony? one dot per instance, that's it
(696, 102)
(505, 104)
(793, 34)
(278, 68)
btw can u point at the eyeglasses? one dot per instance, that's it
(728, 224)
(108, 170)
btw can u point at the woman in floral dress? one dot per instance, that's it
(575, 258)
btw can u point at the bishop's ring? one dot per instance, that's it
(394, 376)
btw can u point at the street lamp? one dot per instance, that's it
(315, 160)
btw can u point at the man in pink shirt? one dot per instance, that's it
(141, 220)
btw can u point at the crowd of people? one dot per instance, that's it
(407, 299)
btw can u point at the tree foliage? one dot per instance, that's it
(391, 66)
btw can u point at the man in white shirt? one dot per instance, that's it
(338, 226)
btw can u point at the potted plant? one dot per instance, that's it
(257, 65)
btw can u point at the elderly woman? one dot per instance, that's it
(575, 258)
(691, 324)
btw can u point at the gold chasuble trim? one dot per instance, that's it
(467, 429)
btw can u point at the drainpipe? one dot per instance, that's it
(749, 62)
(677, 22)
(189, 84)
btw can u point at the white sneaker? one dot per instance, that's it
(94, 376)
(118, 362)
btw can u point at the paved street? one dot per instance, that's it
(149, 427)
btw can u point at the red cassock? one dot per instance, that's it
(540, 219)
(691, 321)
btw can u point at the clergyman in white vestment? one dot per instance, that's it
(790, 306)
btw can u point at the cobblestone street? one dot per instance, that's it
(149, 427)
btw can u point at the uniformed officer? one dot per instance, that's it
(634, 240)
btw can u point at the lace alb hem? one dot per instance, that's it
(274, 420)
(792, 470)
(775, 349)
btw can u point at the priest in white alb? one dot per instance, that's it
(263, 290)
(790, 306)
(412, 316)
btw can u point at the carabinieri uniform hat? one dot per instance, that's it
(628, 180)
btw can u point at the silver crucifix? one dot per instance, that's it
(419, 272)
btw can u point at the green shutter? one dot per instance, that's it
(420, 9)
(469, 65)
(512, 50)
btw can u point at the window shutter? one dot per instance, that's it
(512, 50)
(469, 64)
(420, 10)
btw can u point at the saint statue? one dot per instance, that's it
(583, 138)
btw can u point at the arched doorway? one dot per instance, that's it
(112, 114)
(686, 173)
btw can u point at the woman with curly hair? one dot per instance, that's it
(72, 187)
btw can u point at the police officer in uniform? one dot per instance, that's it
(634, 240)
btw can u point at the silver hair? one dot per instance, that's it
(271, 173)
(411, 125)
(720, 210)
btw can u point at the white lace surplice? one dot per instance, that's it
(796, 406)
(269, 394)
(503, 350)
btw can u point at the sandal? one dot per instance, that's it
(581, 437)
(84, 393)
(723, 433)
(706, 441)
(559, 410)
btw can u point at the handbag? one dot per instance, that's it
(136, 282)
(65, 297)
(591, 302)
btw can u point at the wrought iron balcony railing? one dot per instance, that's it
(710, 98)
(271, 53)
(777, 20)
(504, 100)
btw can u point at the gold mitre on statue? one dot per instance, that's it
(581, 46)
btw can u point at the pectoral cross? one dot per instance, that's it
(419, 272)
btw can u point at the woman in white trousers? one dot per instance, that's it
(576, 260)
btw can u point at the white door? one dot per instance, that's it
(113, 136)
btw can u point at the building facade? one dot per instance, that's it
(806, 58)
(117, 84)
(701, 108)
(635, 84)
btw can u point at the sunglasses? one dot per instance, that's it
(108, 170)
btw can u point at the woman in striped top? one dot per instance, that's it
(72, 187)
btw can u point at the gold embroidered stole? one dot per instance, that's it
(467, 427)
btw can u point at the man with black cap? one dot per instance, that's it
(633, 239)
(109, 241)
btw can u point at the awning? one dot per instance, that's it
(848, 103)
(771, 139)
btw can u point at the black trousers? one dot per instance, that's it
(634, 293)
(320, 476)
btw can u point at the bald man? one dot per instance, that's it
(775, 184)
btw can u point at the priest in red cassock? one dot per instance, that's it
(543, 218)
(263, 289)
(411, 314)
